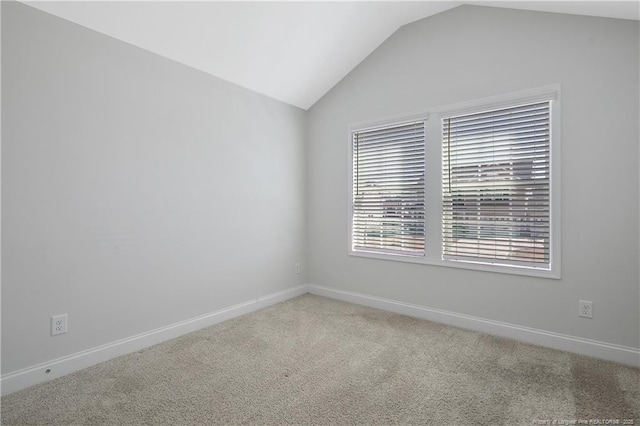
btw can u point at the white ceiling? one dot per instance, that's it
(291, 51)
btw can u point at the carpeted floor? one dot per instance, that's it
(312, 360)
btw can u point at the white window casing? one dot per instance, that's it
(489, 181)
(504, 137)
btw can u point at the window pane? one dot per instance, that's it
(388, 189)
(496, 185)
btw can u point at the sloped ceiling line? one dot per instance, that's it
(279, 49)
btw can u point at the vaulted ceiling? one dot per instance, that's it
(291, 51)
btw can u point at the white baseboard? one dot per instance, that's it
(24, 378)
(607, 351)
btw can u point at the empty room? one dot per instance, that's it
(323, 213)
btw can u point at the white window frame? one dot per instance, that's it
(433, 182)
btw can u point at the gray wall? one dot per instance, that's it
(136, 192)
(474, 52)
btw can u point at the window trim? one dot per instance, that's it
(433, 192)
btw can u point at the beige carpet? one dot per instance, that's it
(312, 360)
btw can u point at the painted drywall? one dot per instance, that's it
(474, 52)
(136, 192)
(0, 178)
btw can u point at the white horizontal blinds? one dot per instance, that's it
(388, 189)
(496, 185)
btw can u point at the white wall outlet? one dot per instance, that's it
(585, 308)
(58, 324)
(297, 268)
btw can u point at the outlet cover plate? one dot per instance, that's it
(59, 324)
(585, 308)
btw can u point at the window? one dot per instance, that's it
(476, 186)
(496, 192)
(388, 189)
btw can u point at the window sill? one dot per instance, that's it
(461, 264)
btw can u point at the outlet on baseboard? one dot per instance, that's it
(58, 324)
(585, 308)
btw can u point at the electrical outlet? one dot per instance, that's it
(585, 308)
(58, 324)
(297, 268)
